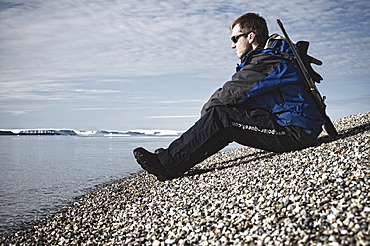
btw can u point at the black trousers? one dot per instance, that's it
(223, 125)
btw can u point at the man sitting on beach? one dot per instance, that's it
(266, 105)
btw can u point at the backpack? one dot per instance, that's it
(281, 47)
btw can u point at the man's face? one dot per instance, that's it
(242, 43)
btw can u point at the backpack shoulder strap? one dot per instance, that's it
(279, 46)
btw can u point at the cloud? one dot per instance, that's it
(94, 91)
(182, 101)
(172, 116)
(100, 38)
(97, 109)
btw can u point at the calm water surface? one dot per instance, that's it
(41, 174)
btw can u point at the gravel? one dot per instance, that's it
(315, 196)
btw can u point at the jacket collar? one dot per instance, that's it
(246, 58)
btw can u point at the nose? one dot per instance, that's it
(233, 45)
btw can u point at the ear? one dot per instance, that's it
(252, 37)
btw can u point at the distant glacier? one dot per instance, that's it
(71, 132)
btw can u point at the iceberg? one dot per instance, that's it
(71, 132)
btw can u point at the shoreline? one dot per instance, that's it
(245, 196)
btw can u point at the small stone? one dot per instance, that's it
(156, 243)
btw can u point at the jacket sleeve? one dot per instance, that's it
(243, 81)
(230, 94)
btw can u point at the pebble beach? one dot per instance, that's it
(316, 196)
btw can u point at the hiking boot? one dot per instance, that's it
(151, 163)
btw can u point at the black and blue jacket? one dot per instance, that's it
(268, 79)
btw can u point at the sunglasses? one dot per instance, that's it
(235, 38)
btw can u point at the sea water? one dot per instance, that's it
(40, 175)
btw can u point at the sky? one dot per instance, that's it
(148, 64)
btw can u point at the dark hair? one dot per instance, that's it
(253, 22)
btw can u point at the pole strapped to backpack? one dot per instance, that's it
(310, 82)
